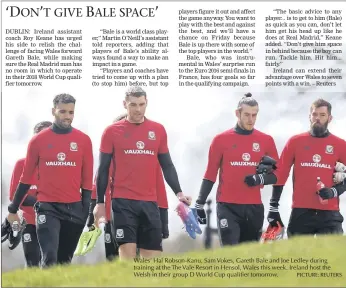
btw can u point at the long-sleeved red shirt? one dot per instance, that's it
(312, 157)
(135, 150)
(64, 165)
(28, 212)
(235, 156)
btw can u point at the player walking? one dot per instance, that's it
(137, 146)
(63, 159)
(235, 154)
(314, 155)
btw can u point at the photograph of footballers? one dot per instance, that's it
(263, 166)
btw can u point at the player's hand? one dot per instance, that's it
(338, 177)
(201, 215)
(328, 193)
(264, 168)
(12, 217)
(90, 221)
(274, 215)
(340, 167)
(186, 199)
(99, 214)
(253, 180)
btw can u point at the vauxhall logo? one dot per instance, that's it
(316, 159)
(61, 157)
(246, 161)
(140, 149)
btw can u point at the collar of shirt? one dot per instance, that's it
(59, 130)
(242, 131)
(324, 135)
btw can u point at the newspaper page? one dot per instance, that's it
(195, 61)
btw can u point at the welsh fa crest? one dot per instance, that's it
(329, 149)
(73, 146)
(151, 135)
(256, 147)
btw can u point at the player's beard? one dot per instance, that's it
(62, 124)
(136, 118)
(318, 129)
(245, 126)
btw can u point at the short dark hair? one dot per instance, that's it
(63, 98)
(247, 100)
(42, 125)
(321, 103)
(135, 91)
(120, 117)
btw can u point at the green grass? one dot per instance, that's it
(329, 248)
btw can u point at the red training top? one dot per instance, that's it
(236, 156)
(28, 212)
(312, 157)
(64, 164)
(135, 148)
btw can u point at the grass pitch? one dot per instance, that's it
(303, 261)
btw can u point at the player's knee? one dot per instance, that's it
(127, 250)
(149, 253)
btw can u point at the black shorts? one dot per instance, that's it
(72, 212)
(136, 221)
(305, 221)
(238, 223)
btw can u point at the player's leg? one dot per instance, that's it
(251, 230)
(68, 240)
(228, 223)
(150, 231)
(31, 247)
(125, 222)
(48, 230)
(330, 222)
(110, 246)
(302, 222)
